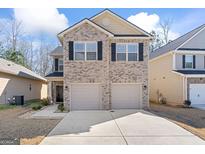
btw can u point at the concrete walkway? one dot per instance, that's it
(118, 127)
(48, 113)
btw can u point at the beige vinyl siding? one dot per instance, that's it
(115, 25)
(11, 85)
(197, 42)
(199, 61)
(164, 81)
(178, 62)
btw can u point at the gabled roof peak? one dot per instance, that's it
(121, 19)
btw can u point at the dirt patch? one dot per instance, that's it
(29, 131)
(190, 119)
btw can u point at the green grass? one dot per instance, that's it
(36, 104)
(32, 103)
(6, 106)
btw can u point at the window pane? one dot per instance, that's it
(121, 48)
(132, 48)
(60, 61)
(121, 56)
(189, 58)
(188, 65)
(80, 56)
(91, 55)
(188, 61)
(79, 47)
(132, 57)
(91, 47)
(61, 68)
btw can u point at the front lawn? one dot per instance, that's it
(6, 106)
(36, 104)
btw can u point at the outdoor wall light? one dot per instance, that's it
(66, 87)
(145, 87)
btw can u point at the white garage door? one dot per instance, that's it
(197, 94)
(126, 96)
(85, 97)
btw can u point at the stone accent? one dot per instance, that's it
(193, 81)
(104, 72)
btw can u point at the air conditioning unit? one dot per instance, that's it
(18, 100)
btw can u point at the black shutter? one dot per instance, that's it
(70, 50)
(56, 64)
(100, 50)
(194, 61)
(113, 51)
(183, 61)
(141, 51)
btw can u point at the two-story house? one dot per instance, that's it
(102, 64)
(177, 70)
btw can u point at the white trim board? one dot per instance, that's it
(190, 75)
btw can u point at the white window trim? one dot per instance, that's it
(192, 63)
(60, 64)
(126, 51)
(85, 43)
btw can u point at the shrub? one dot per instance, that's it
(37, 107)
(61, 107)
(162, 100)
(187, 103)
(45, 102)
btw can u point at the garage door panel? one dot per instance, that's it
(126, 96)
(197, 94)
(85, 97)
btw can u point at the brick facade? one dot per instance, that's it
(105, 71)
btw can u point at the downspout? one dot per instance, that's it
(184, 88)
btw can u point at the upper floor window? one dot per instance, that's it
(60, 65)
(188, 61)
(85, 50)
(127, 52)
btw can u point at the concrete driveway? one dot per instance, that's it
(118, 127)
(199, 106)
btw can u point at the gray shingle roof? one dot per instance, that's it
(175, 43)
(55, 74)
(58, 51)
(191, 71)
(18, 70)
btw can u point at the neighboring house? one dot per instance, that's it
(177, 70)
(16, 80)
(103, 64)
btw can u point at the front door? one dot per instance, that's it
(59, 93)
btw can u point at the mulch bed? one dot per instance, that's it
(28, 131)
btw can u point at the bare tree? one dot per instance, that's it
(43, 62)
(13, 32)
(165, 26)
